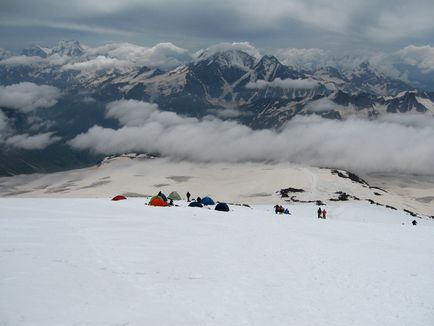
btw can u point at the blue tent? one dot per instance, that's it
(207, 201)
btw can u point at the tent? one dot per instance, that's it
(207, 201)
(118, 197)
(195, 204)
(163, 196)
(174, 196)
(157, 201)
(223, 207)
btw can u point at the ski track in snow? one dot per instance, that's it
(77, 261)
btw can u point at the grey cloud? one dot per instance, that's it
(283, 83)
(332, 24)
(354, 144)
(3, 122)
(26, 96)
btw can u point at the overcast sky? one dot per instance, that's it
(337, 25)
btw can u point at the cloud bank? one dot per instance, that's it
(419, 56)
(357, 145)
(32, 142)
(283, 83)
(26, 97)
(164, 55)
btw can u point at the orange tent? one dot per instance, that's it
(157, 201)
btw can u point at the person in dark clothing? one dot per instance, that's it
(188, 196)
(276, 209)
(319, 212)
(171, 202)
(324, 213)
(199, 200)
(414, 222)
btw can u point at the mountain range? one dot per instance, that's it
(230, 83)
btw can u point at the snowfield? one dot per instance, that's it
(72, 261)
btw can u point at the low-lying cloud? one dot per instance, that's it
(358, 145)
(284, 84)
(163, 55)
(32, 142)
(26, 97)
(323, 105)
(98, 63)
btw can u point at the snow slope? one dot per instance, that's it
(70, 261)
(252, 183)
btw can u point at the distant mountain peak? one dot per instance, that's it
(227, 58)
(68, 48)
(35, 51)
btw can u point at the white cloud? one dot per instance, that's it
(323, 104)
(130, 112)
(165, 55)
(34, 142)
(26, 96)
(419, 56)
(98, 63)
(222, 47)
(284, 83)
(22, 60)
(358, 145)
(228, 113)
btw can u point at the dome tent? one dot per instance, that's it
(223, 207)
(174, 196)
(163, 196)
(118, 197)
(157, 201)
(195, 204)
(207, 201)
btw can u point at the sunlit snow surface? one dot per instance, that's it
(71, 261)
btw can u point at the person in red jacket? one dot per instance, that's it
(324, 213)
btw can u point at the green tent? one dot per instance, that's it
(174, 196)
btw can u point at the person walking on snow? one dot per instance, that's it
(319, 212)
(188, 196)
(324, 213)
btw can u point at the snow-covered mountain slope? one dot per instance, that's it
(255, 183)
(98, 262)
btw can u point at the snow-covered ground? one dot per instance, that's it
(252, 183)
(71, 261)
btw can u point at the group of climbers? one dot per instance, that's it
(279, 209)
(322, 213)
